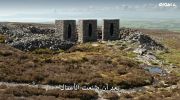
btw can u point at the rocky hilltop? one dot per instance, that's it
(32, 36)
(32, 66)
(29, 37)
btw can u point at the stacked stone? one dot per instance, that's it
(110, 29)
(66, 29)
(87, 30)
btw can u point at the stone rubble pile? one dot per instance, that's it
(33, 37)
(145, 42)
(145, 47)
(29, 44)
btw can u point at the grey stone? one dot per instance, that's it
(110, 29)
(66, 30)
(29, 44)
(144, 41)
(87, 31)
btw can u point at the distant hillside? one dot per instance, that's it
(172, 25)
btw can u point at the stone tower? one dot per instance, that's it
(110, 29)
(66, 29)
(87, 31)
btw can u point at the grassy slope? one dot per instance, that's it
(171, 41)
(84, 64)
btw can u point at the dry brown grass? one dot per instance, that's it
(110, 96)
(30, 92)
(163, 94)
(82, 65)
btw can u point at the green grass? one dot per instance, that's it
(131, 54)
(173, 56)
(2, 39)
(46, 51)
(152, 24)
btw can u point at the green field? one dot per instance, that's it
(172, 25)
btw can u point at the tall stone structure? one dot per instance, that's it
(66, 29)
(87, 31)
(110, 29)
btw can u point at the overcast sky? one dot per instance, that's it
(49, 10)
